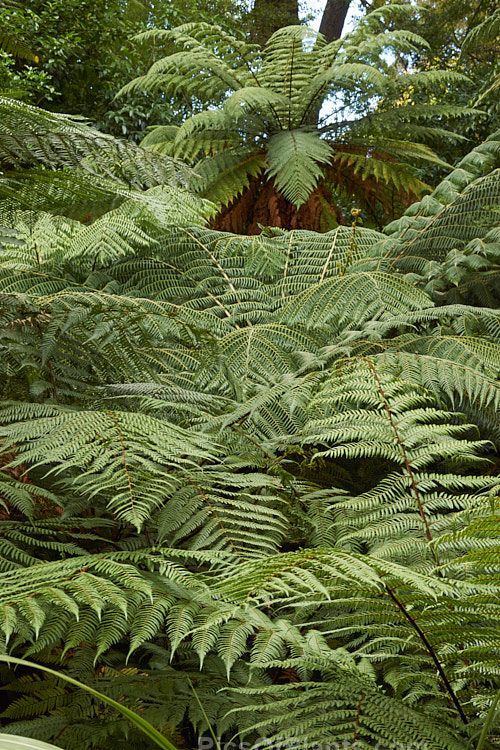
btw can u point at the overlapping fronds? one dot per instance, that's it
(463, 207)
(83, 172)
(30, 135)
(314, 598)
(484, 32)
(248, 455)
(365, 411)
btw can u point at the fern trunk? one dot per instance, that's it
(262, 205)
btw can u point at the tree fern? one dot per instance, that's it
(265, 125)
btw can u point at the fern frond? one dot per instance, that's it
(227, 174)
(483, 33)
(353, 296)
(293, 161)
(114, 452)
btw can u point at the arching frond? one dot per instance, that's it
(293, 161)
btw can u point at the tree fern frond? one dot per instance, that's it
(293, 161)
(31, 135)
(161, 138)
(353, 297)
(392, 419)
(70, 194)
(226, 174)
(306, 713)
(483, 33)
(448, 377)
(114, 452)
(443, 221)
(382, 170)
(69, 585)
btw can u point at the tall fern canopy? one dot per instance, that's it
(249, 484)
(263, 146)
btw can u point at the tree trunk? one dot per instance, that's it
(334, 15)
(270, 15)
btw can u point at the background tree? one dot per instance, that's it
(267, 16)
(85, 53)
(19, 75)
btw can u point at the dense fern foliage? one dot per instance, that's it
(59, 164)
(247, 482)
